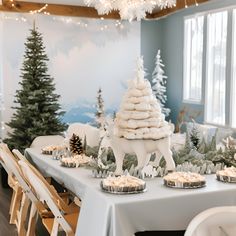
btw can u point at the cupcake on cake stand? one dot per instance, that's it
(140, 126)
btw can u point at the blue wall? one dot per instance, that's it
(167, 34)
(151, 41)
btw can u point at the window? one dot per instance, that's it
(193, 54)
(216, 67)
(233, 91)
(209, 59)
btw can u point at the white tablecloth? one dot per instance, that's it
(160, 208)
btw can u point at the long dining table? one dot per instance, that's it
(159, 208)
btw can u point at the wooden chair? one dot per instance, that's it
(217, 221)
(20, 201)
(16, 192)
(64, 196)
(28, 196)
(64, 216)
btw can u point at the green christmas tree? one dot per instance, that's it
(188, 144)
(85, 144)
(202, 146)
(213, 143)
(37, 110)
(100, 112)
(195, 136)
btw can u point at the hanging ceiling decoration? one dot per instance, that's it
(129, 9)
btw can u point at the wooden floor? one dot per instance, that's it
(5, 228)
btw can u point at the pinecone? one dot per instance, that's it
(76, 146)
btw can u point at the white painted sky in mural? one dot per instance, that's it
(82, 59)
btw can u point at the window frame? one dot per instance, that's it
(184, 100)
(232, 71)
(229, 64)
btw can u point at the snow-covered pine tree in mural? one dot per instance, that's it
(100, 111)
(159, 83)
(37, 110)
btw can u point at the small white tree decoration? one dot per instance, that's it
(100, 111)
(140, 69)
(159, 83)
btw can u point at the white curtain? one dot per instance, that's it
(216, 67)
(193, 53)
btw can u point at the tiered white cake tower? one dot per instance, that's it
(140, 114)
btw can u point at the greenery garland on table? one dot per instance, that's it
(201, 156)
(206, 152)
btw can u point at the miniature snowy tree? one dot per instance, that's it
(213, 143)
(159, 83)
(100, 112)
(202, 146)
(195, 136)
(188, 144)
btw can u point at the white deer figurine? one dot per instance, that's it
(141, 148)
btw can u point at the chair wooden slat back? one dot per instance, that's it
(12, 164)
(45, 195)
(13, 167)
(18, 155)
(54, 194)
(4, 161)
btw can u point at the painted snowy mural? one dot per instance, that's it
(85, 55)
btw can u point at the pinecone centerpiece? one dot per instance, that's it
(76, 146)
(140, 115)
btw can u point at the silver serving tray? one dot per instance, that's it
(185, 187)
(46, 152)
(124, 193)
(67, 166)
(226, 179)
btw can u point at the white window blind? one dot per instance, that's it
(233, 90)
(193, 54)
(216, 67)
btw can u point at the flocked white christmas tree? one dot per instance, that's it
(100, 111)
(140, 115)
(159, 83)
